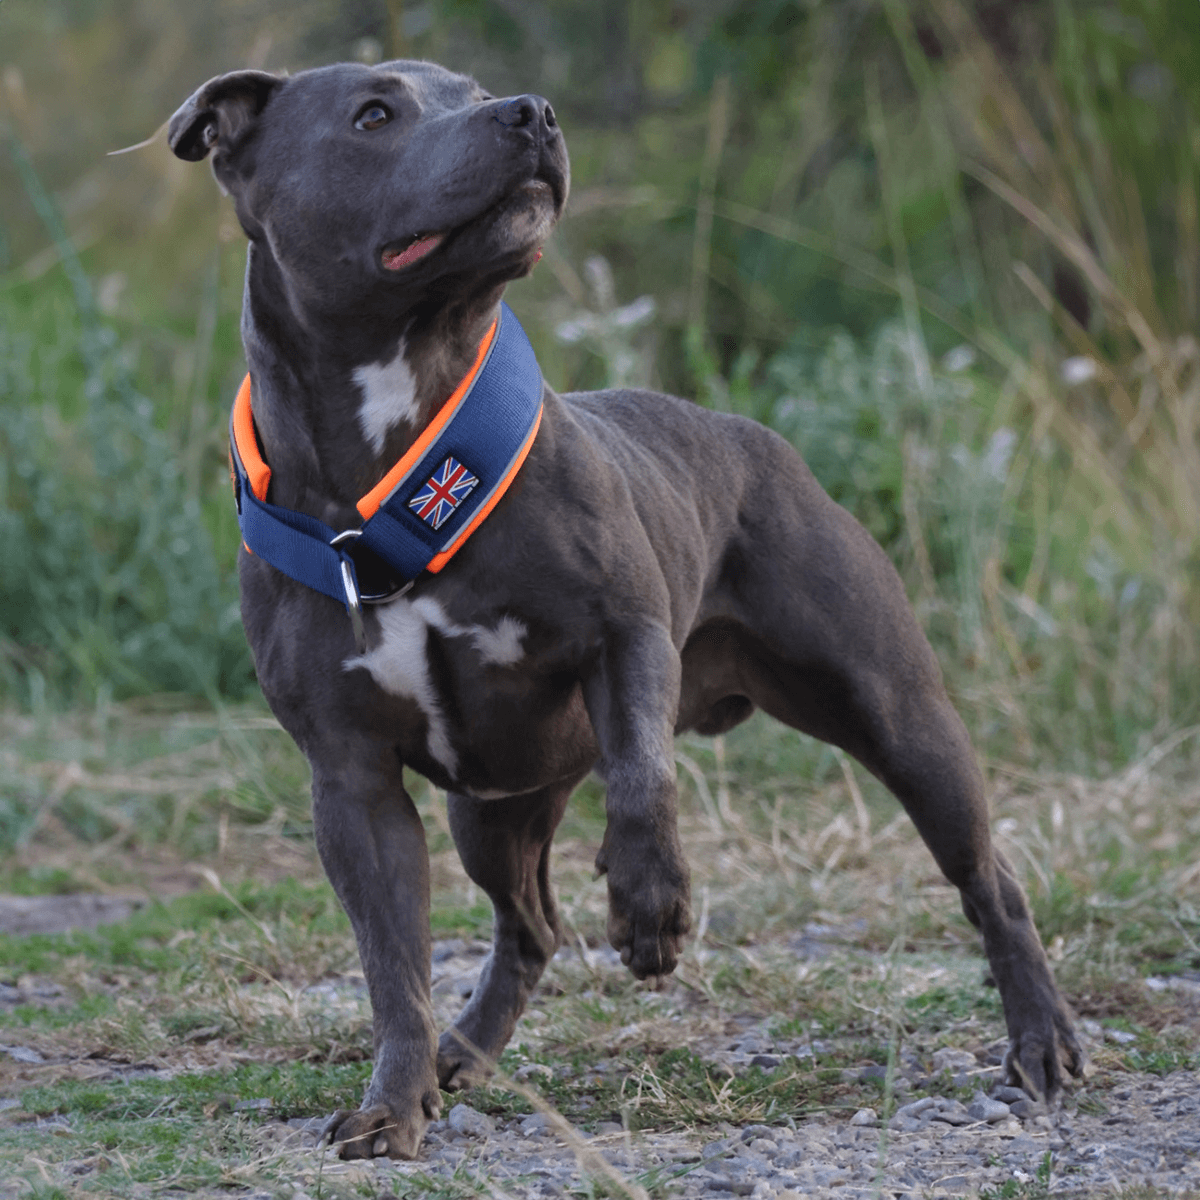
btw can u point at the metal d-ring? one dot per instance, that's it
(353, 606)
(350, 587)
(354, 598)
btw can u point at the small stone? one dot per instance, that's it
(1009, 1095)
(766, 1062)
(866, 1117)
(952, 1113)
(1024, 1109)
(22, 1054)
(952, 1060)
(916, 1107)
(535, 1123)
(750, 1045)
(983, 1109)
(739, 1187)
(470, 1122)
(1120, 1036)
(751, 1132)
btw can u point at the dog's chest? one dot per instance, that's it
(489, 712)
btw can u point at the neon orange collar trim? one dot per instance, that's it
(515, 410)
(260, 474)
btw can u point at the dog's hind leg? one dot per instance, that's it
(908, 734)
(505, 847)
(829, 644)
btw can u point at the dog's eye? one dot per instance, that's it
(372, 116)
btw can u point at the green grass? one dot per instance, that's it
(216, 985)
(295, 1089)
(150, 941)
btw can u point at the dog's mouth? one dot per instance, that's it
(396, 258)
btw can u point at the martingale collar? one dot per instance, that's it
(424, 509)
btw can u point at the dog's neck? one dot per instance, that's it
(335, 406)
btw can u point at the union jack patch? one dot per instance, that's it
(443, 492)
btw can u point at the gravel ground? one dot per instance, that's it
(1140, 1130)
(996, 1143)
(1151, 1136)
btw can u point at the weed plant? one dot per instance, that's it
(110, 585)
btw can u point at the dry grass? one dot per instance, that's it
(821, 922)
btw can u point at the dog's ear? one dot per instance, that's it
(217, 113)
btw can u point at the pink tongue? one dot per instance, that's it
(394, 261)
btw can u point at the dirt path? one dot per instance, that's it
(1128, 1130)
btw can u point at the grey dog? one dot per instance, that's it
(654, 568)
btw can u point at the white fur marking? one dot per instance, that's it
(501, 646)
(400, 666)
(389, 397)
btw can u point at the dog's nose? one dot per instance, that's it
(524, 111)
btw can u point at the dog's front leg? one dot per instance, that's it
(632, 698)
(372, 844)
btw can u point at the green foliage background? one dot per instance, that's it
(949, 249)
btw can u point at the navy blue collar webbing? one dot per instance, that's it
(424, 509)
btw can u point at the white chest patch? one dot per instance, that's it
(389, 397)
(400, 663)
(501, 646)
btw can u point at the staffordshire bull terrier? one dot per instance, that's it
(632, 566)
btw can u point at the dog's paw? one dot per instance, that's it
(648, 925)
(1039, 1060)
(461, 1065)
(381, 1131)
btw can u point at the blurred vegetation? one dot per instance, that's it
(949, 248)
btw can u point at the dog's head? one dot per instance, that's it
(377, 185)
